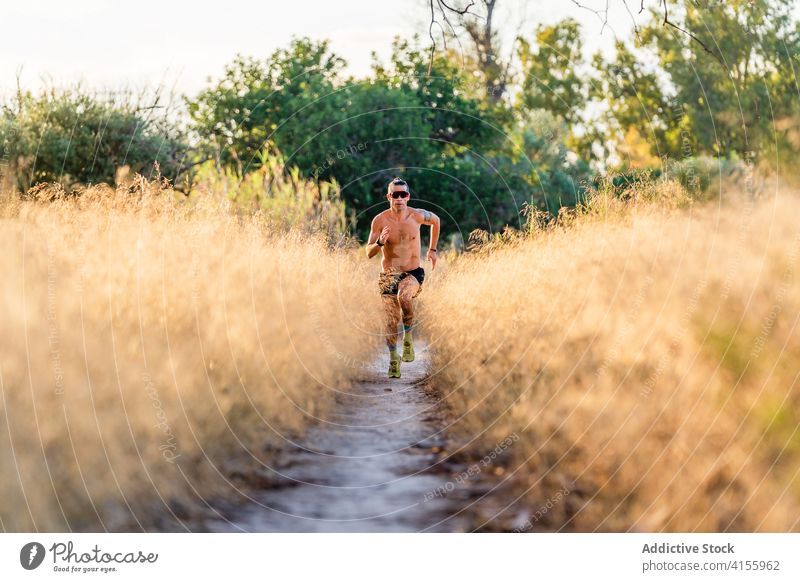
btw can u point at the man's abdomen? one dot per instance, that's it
(399, 257)
(397, 265)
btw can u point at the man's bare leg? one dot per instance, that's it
(393, 314)
(405, 292)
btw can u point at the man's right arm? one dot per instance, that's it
(373, 248)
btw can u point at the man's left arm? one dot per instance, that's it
(431, 219)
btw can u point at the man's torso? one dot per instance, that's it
(403, 247)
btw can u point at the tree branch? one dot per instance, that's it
(444, 8)
(603, 16)
(456, 10)
(668, 22)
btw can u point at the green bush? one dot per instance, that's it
(278, 195)
(704, 176)
(74, 136)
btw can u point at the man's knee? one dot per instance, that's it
(408, 288)
(405, 297)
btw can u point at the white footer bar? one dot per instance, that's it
(401, 557)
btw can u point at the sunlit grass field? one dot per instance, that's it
(639, 354)
(645, 352)
(156, 352)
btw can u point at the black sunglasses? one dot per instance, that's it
(399, 194)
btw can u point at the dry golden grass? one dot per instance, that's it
(647, 358)
(151, 348)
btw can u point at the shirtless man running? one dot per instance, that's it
(395, 232)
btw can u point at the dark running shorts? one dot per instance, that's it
(389, 282)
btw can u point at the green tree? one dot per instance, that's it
(634, 101)
(286, 98)
(557, 177)
(358, 132)
(725, 87)
(551, 69)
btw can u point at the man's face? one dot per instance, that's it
(398, 196)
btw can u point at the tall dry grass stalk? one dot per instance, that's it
(152, 348)
(647, 359)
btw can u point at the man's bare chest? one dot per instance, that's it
(402, 232)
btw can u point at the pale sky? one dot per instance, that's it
(110, 44)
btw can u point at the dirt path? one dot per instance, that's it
(374, 466)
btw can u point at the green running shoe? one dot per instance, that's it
(394, 368)
(408, 349)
